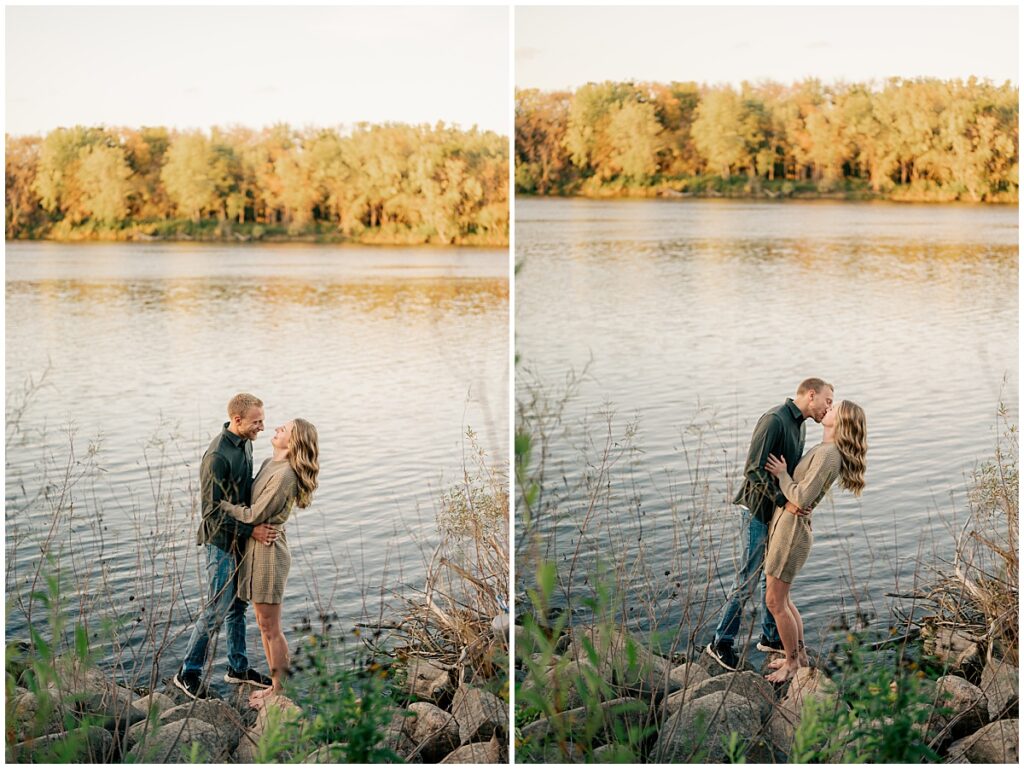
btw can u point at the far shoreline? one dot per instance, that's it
(655, 193)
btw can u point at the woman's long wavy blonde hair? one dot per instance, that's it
(851, 437)
(304, 457)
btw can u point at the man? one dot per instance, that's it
(226, 473)
(781, 432)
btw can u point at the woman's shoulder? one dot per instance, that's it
(830, 455)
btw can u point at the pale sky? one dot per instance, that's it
(566, 47)
(255, 66)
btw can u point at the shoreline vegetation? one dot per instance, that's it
(421, 675)
(603, 675)
(390, 184)
(922, 140)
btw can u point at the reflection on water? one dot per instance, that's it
(700, 315)
(391, 352)
(425, 297)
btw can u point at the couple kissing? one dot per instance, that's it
(778, 508)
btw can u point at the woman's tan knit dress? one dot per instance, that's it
(264, 568)
(789, 536)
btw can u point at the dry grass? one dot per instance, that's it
(457, 619)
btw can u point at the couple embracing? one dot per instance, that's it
(247, 556)
(777, 513)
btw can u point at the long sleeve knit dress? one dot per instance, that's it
(789, 536)
(263, 572)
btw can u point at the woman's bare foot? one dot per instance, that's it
(258, 697)
(777, 663)
(784, 673)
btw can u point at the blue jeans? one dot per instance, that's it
(749, 576)
(221, 604)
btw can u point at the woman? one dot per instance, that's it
(287, 478)
(840, 454)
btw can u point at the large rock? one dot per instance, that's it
(278, 709)
(33, 716)
(480, 714)
(427, 681)
(745, 683)
(625, 713)
(623, 660)
(948, 645)
(993, 744)
(1000, 681)
(688, 674)
(806, 684)
(217, 713)
(476, 753)
(87, 691)
(434, 732)
(967, 704)
(84, 745)
(566, 684)
(696, 731)
(396, 735)
(173, 744)
(154, 702)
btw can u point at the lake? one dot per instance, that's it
(135, 350)
(691, 318)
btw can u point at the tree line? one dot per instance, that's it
(374, 183)
(912, 139)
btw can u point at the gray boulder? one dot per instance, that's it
(427, 681)
(565, 682)
(434, 732)
(696, 731)
(34, 716)
(625, 713)
(623, 660)
(84, 745)
(475, 753)
(688, 674)
(173, 744)
(1000, 681)
(807, 684)
(967, 703)
(154, 702)
(479, 713)
(996, 743)
(217, 713)
(745, 683)
(279, 709)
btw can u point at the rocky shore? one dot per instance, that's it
(85, 716)
(664, 711)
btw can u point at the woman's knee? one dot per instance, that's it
(269, 622)
(777, 598)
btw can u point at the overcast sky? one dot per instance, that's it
(198, 67)
(566, 47)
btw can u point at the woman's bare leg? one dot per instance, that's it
(268, 615)
(777, 597)
(801, 650)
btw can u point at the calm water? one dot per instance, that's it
(391, 352)
(700, 315)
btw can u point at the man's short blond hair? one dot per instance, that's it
(813, 383)
(239, 405)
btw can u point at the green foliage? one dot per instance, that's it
(377, 183)
(922, 139)
(551, 686)
(39, 668)
(346, 706)
(886, 721)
